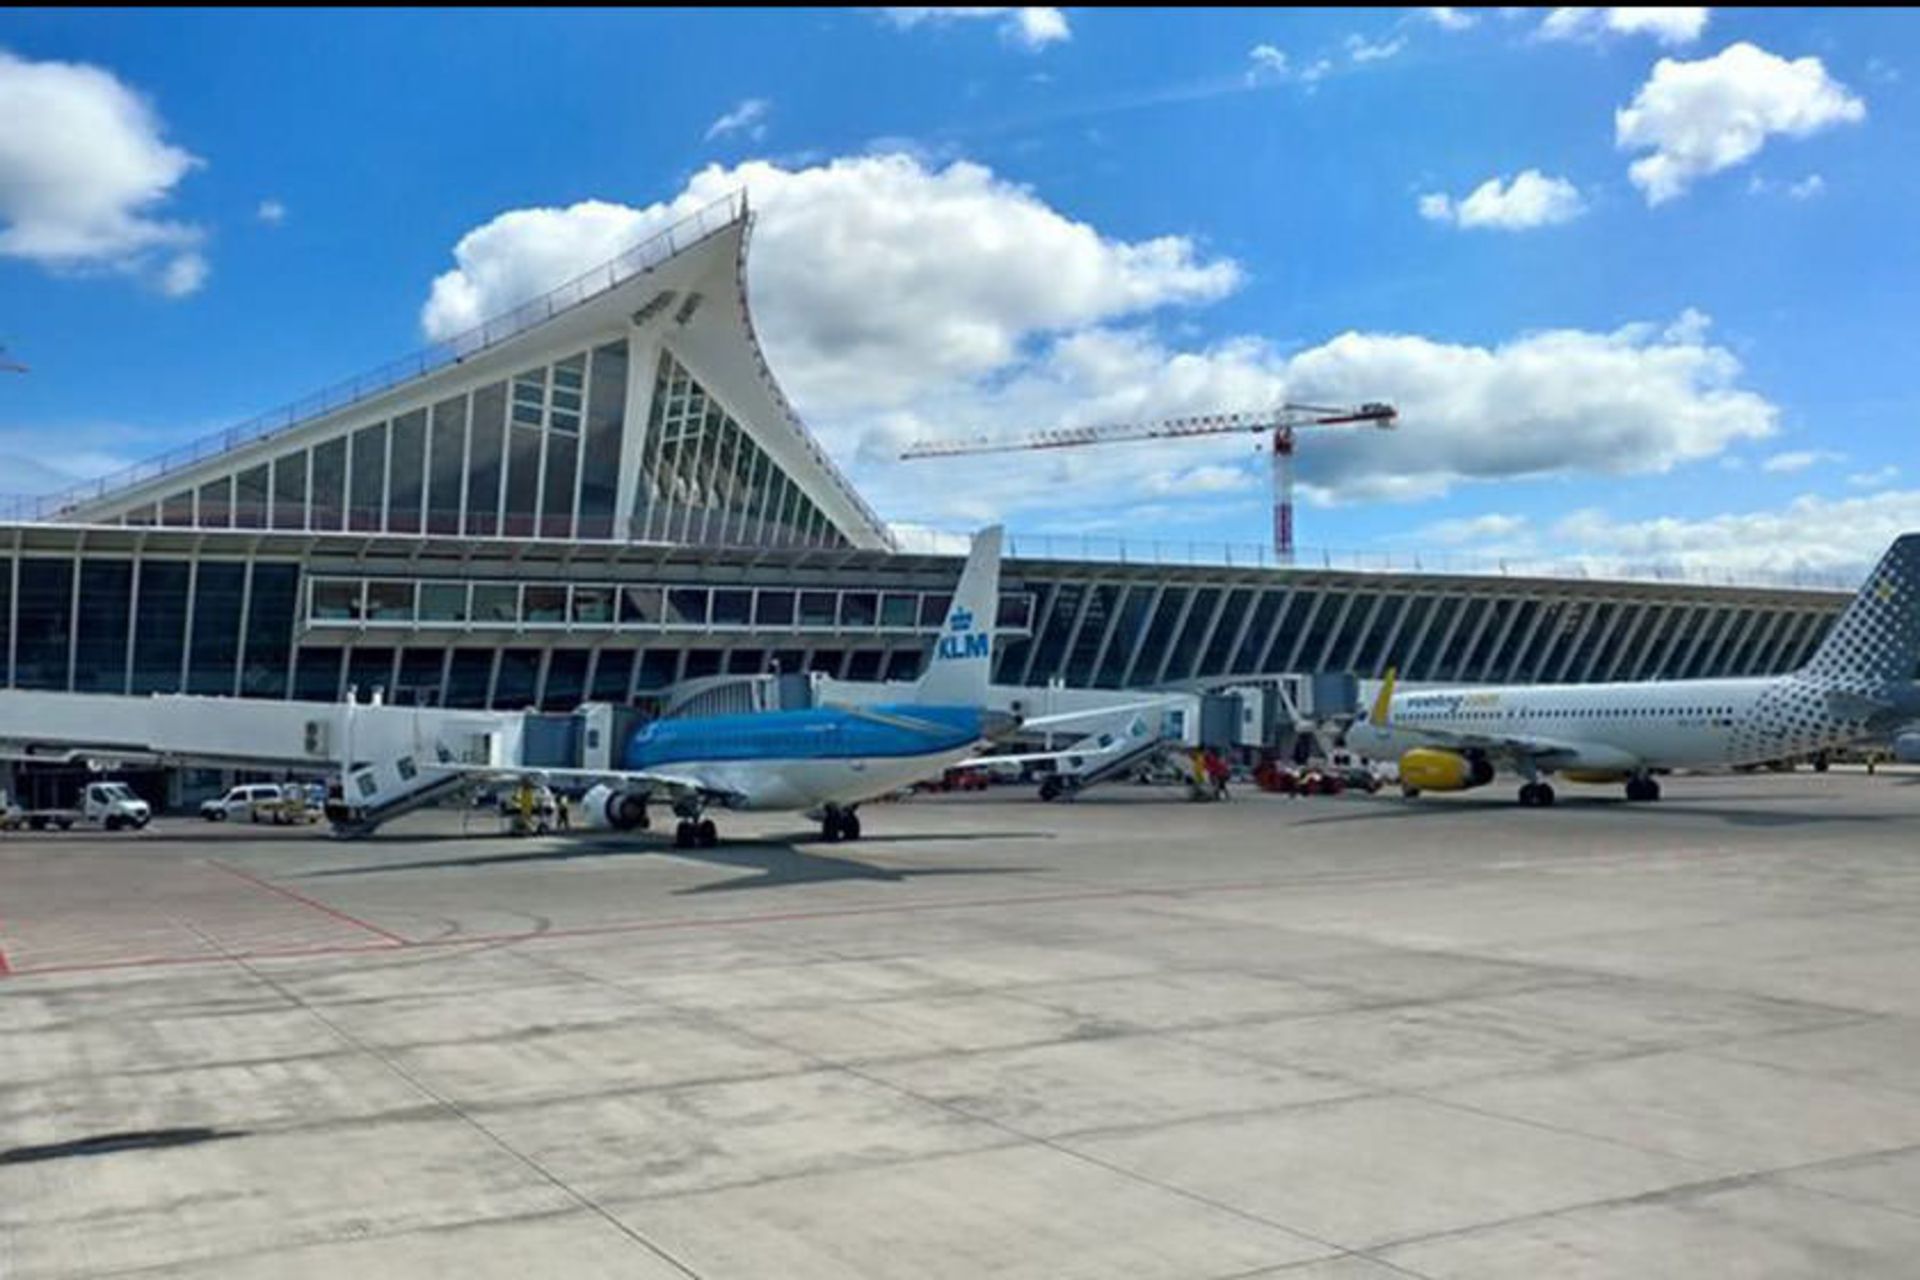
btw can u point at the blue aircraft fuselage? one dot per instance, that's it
(820, 733)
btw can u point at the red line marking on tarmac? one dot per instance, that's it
(158, 962)
(395, 943)
(5, 969)
(312, 903)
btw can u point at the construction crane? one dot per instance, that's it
(1281, 423)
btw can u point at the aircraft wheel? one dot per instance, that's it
(1536, 795)
(850, 826)
(830, 828)
(1050, 789)
(684, 836)
(706, 833)
(112, 824)
(1642, 789)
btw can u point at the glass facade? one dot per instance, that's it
(703, 479)
(100, 647)
(268, 628)
(435, 604)
(43, 594)
(537, 455)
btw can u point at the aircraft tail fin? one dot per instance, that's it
(962, 659)
(1383, 703)
(1877, 640)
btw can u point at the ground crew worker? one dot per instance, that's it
(1218, 772)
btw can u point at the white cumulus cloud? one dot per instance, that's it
(1878, 478)
(1799, 460)
(183, 274)
(1032, 27)
(1268, 63)
(1838, 539)
(83, 165)
(1450, 19)
(271, 212)
(1360, 49)
(875, 277)
(750, 117)
(1478, 529)
(1669, 25)
(1643, 398)
(1532, 199)
(1698, 118)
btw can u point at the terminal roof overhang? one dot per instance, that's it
(685, 290)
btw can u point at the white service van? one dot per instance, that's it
(252, 802)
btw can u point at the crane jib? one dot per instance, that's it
(1281, 422)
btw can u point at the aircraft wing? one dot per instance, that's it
(1548, 752)
(642, 779)
(1044, 723)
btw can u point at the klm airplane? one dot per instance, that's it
(823, 761)
(1857, 687)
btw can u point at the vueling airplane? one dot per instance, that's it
(1859, 685)
(822, 760)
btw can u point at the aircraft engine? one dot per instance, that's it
(611, 808)
(1431, 769)
(1906, 748)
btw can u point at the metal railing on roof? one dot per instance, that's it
(1233, 555)
(649, 253)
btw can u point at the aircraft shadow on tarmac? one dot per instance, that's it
(775, 863)
(1391, 811)
(105, 1144)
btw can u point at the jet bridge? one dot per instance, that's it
(383, 756)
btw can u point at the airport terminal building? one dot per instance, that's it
(605, 495)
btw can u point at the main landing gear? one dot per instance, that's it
(840, 824)
(1642, 787)
(1536, 795)
(695, 835)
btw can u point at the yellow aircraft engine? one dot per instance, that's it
(1431, 769)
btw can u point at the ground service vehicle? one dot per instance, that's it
(110, 806)
(252, 802)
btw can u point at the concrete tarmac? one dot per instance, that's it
(1342, 1038)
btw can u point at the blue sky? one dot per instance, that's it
(997, 222)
